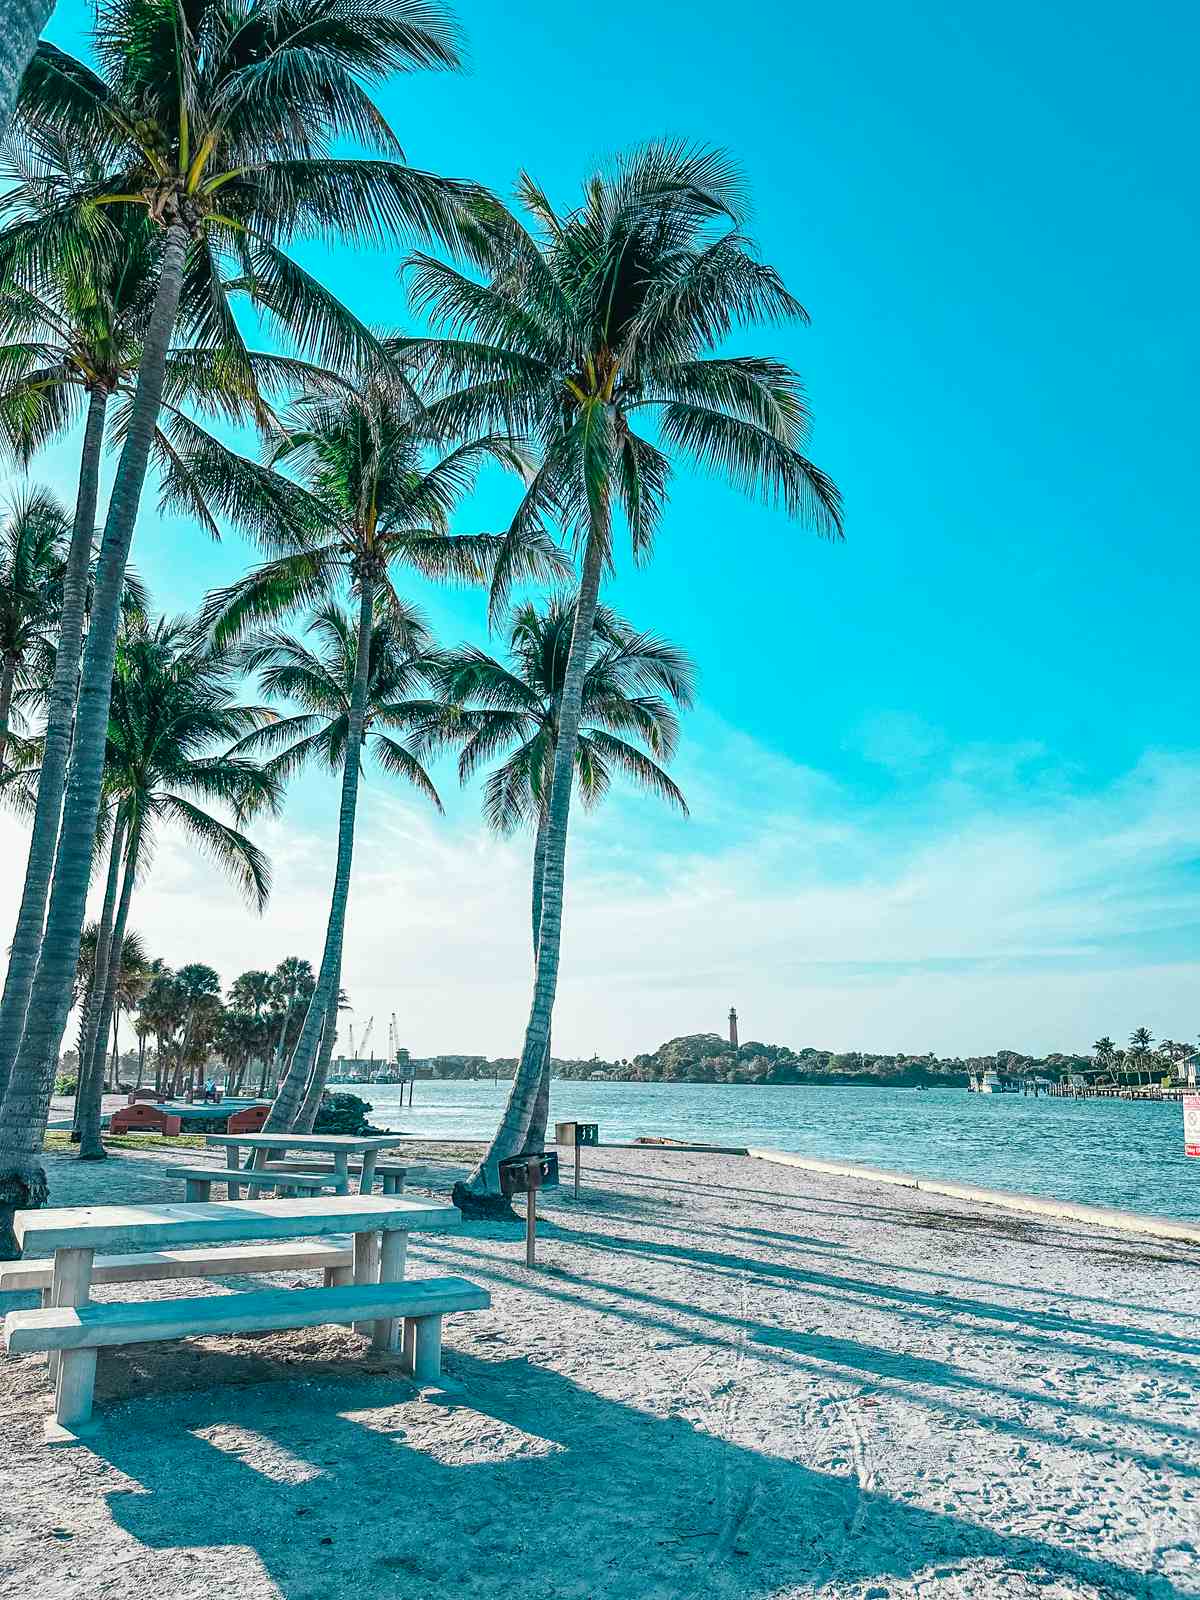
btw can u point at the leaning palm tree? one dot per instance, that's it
(292, 985)
(373, 490)
(321, 679)
(33, 548)
(589, 327)
(631, 688)
(171, 722)
(219, 118)
(72, 329)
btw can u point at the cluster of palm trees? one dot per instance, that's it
(154, 192)
(1143, 1057)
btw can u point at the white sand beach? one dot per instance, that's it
(724, 1379)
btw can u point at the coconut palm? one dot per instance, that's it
(293, 982)
(219, 118)
(321, 678)
(632, 684)
(33, 548)
(373, 490)
(132, 980)
(171, 719)
(161, 1011)
(590, 326)
(71, 335)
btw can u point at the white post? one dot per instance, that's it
(366, 1268)
(427, 1353)
(75, 1378)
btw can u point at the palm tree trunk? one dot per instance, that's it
(141, 1072)
(8, 679)
(27, 1102)
(306, 1120)
(23, 22)
(535, 1138)
(60, 715)
(90, 1021)
(480, 1194)
(90, 1146)
(115, 1072)
(295, 1080)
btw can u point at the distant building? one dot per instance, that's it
(733, 1037)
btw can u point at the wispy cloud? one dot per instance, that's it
(976, 907)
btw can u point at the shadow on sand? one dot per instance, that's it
(585, 1496)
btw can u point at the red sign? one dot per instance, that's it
(1191, 1124)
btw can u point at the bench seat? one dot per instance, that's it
(199, 1180)
(77, 1332)
(147, 1266)
(391, 1173)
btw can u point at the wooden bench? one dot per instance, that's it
(198, 1181)
(143, 1118)
(390, 1172)
(78, 1331)
(334, 1255)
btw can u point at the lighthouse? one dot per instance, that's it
(733, 1040)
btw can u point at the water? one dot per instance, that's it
(1123, 1153)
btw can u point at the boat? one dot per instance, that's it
(988, 1082)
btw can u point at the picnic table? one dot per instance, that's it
(380, 1225)
(341, 1146)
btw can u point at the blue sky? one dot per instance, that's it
(940, 728)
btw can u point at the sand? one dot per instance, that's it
(725, 1379)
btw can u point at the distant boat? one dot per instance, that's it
(988, 1082)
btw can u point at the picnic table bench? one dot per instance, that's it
(379, 1299)
(339, 1146)
(198, 1181)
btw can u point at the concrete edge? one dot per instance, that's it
(1038, 1205)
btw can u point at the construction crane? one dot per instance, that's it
(366, 1035)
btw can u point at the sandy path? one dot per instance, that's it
(726, 1379)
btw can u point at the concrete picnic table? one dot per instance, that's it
(340, 1145)
(380, 1225)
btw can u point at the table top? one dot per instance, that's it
(104, 1227)
(308, 1141)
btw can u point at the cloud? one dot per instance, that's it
(969, 913)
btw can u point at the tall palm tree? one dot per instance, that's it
(372, 491)
(293, 982)
(219, 118)
(171, 719)
(631, 688)
(587, 324)
(71, 335)
(162, 1012)
(322, 679)
(33, 548)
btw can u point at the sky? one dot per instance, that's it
(944, 777)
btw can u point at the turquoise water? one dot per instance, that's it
(1104, 1152)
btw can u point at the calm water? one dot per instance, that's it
(1105, 1152)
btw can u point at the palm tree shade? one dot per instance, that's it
(509, 713)
(323, 680)
(171, 719)
(202, 116)
(588, 328)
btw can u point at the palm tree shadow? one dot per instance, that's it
(361, 1485)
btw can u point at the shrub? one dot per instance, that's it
(65, 1085)
(343, 1113)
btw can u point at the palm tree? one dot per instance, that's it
(71, 334)
(586, 322)
(161, 1011)
(1140, 1041)
(372, 492)
(293, 982)
(170, 718)
(631, 686)
(219, 119)
(33, 547)
(132, 980)
(321, 679)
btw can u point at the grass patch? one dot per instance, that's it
(60, 1139)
